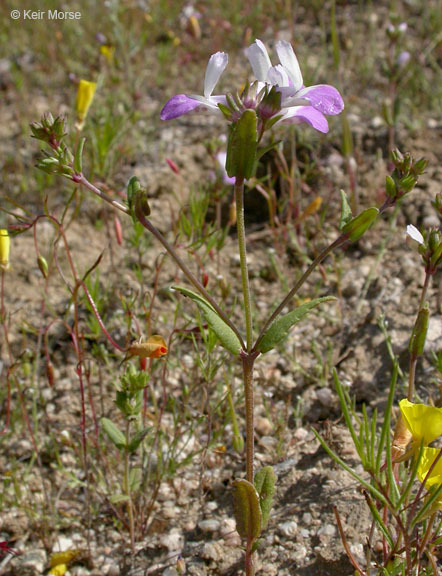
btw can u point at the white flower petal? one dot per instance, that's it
(288, 59)
(259, 60)
(278, 76)
(215, 67)
(414, 233)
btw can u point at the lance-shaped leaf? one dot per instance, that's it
(356, 227)
(281, 326)
(226, 335)
(114, 433)
(265, 482)
(346, 214)
(248, 515)
(138, 438)
(419, 334)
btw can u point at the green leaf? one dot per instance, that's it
(346, 214)
(279, 329)
(226, 335)
(360, 224)
(261, 151)
(247, 510)
(135, 476)
(265, 482)
(114, 433)
(78, 159)
(117, 498)
(241, 146)
(138, 438)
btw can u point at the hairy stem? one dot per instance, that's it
(239, 198)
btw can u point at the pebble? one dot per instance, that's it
(229, 533)
(32, 563)
(111, 569)
(289, 528)
(170, 572)
(212, 551)
(307, 518)
(327, 530)
(210, 525)
(174, 541)
(325, 396)
(263, 426)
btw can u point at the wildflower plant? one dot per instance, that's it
(276, 97)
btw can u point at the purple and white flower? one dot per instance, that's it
(299, 103)
(184, 103)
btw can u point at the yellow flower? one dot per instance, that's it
(424, 422)
(108, 52)
(4, 249)
(85, 95)
(428, 457)
(59, 570)
(154, 347)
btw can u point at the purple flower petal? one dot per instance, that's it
(324, 98)
(178, 106)
(306, 114)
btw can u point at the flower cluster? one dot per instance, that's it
(277, 96)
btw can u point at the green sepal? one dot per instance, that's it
(265, 484)
(360, 224)
(227, 337)
(138, 438)
(248, 515)
(346, 213)
(241, 146)
(419, 334)
(279, 329)
(114, 433)
(390, 187)
(78, 158)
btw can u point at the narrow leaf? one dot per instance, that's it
(247, 510)
(346, 214)
(226, 335)
(78, 159)
(138, 438)
(265, 483)
(114, 433)
(241, 147)
(279, 329)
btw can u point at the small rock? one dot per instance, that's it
(307, 518)
(327, 530)
(325, 397)
(111, 569)
(212, 551)
(263, 426)
(210, 525)
(289, 528)
(31, 563)
(174, 541)
(170, 572)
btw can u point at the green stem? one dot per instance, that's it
(248, 361)
(239, 198)
(128, 491)
(338, 242)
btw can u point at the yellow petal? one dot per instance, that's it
(428, 457)
(108, 51)
(59, 570)
(85, 95)
(4, 249)
(61, 558)
(154, 347)
(424, 422)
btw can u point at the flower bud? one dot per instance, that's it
(4, 249)
(118, 231)
(419, 334)
(43, 265)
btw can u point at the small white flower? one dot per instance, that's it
(414, 233)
